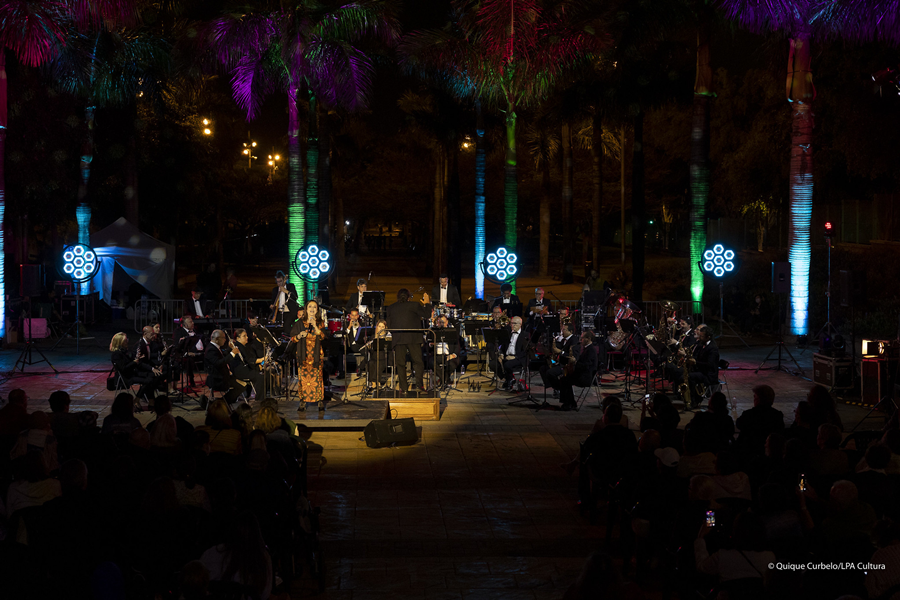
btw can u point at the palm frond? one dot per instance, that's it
(359, 20)
(861, 20)
(541, 142)
(33, 30)
(109, 14)
(610, 141)
(252, 79)
(340, 73)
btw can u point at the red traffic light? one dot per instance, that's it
(829, 230)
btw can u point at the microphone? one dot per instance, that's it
(370, 276)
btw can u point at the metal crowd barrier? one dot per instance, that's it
(653, 310)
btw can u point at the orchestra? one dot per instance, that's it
(296, 347)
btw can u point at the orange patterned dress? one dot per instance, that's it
(312, 386)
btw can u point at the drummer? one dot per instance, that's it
(444, 293)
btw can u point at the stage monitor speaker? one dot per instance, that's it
(390, 432)
(853, 288)
(874, 376)
(31, 280)
(781, 278)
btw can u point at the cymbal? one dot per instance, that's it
(668, 305)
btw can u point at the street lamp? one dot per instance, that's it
(248, 152)
(206, 128)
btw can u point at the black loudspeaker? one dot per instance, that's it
(874, 376)
(853, 288)
(391, 432)
(781, 278)
(31, 280)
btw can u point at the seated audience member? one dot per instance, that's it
(600, 578)
(67, 425)
(608, 454)
(875, 486)
(194, 581)
(187, 490)
(38, 437)
(646, 461)
(695, 461)
(760, 468)
(661, 415)
(222, 436)
(803, 427)
(715, 427)
(32, 485)
(164, 430)
(14, 416)
(880, 581)
(846, 522)
(829, 460)
(658, 496)
(731, 481)
(755, 424)
(121, 416)
(742, 571)
(823, 408)
(891, 439)
(781, 524)
(242, 558)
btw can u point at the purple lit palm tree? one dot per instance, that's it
(801, 21)
(307, 48)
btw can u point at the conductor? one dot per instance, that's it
(404, 314)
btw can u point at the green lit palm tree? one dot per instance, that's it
(302, 49)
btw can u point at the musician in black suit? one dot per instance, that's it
(356, 298)
(284, 304)
(508, 302)
(512, 355)
(537, 308)
(355, 338)
(448, 355)
(563, 348)
(444, 292)
(132, 370)
(705, 369)
(247, 365)
(198, 305)
(405, 314)
(218, 357)
(582, 374)
(188, 345)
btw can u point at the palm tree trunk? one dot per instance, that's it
(312, 173)
(546, 202)
(3, 122)
(638, 218)
(324, 179)
(296, 195)
(801, 94)
(338, 246)
(437, 213)
(510, 186)
(479, 200)
(597, 181)
(83, 210)
(699, 167)
(454, 258)
(567, 208)
(132, 204)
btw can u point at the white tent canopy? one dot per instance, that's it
(145, 259)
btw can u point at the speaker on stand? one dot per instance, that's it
(853, 296)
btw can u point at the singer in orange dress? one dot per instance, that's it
(308, 334)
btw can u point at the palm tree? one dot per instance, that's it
(699, 167)
(798, 19)
(506, 54)
(307, 48)
(541, 138)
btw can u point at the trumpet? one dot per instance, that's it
(502, 322)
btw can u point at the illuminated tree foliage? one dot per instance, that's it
(507, 54)
(306, 47)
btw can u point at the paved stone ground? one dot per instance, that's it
(479, 508)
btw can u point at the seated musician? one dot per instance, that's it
(378, 353)
(508, 302)
(496, 323)
(355, 338)
(284, 301)
(356, 300)
(537, 308)
(171, 369)
(151, 355)
(259, 335)
(448, 355)
(249, 365)
(197, 305)
(132, 370)
(562, 349)
(683, 338)
(218, 358)
(188, 346)
(582, 372)
(444, 292)
(704, 369)
(512, 355)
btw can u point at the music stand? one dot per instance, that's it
(532, 340)
(374, 302)
(629, 327)
(443, 336)
(471, 329)
(497, 337)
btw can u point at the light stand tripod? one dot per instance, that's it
(76, 325)
(25, 358)
(828, 329)
(722, 322)
(780, 346)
